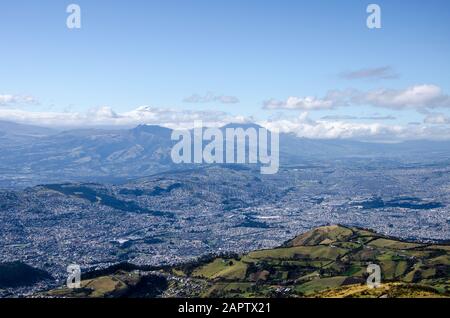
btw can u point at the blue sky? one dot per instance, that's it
(159, 53)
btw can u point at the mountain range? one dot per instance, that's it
(34, 155)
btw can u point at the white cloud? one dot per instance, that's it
(211, 98)
(437, 119)
(304, 126)
(304, 103)
(8, 99)
(418, 97)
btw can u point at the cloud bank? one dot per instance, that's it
(419, 97)
(304, 126)
(105, 116)
(435, 126)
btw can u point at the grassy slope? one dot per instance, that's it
(329, 258)
(104, 286)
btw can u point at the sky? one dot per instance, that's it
(312, 68)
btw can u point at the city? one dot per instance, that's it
(183, 215)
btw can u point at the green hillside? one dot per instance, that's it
(328, 261)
